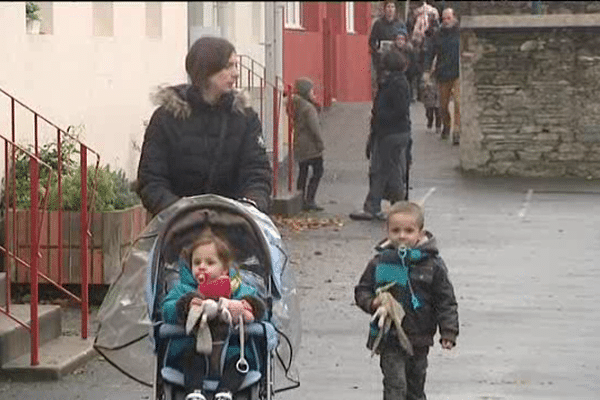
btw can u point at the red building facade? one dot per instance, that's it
(328, 43)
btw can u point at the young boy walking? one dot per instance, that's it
(407, 289)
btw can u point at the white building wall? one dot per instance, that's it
(101, 83)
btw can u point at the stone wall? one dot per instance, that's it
(475, 8)
(530, 95)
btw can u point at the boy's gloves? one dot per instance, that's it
(389, 311)
(234, 308)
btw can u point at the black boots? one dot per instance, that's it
(308, 198)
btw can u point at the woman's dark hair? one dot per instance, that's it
(207, 56)
(394, 60)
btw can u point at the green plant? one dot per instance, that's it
(109, 190)
(31, 10)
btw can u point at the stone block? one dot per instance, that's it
(530, 155)
(290, 204)
(503, 156)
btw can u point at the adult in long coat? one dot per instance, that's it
(204, 137)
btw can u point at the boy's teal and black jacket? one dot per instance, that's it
(422, 287)
(186, 289)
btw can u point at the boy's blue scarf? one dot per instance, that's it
(394, 268)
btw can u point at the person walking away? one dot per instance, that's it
(308, 143)
(384, 29)
(443, 64)
(204, 137)
(388, 147)
(406, 287)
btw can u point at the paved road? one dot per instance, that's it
(521, 253)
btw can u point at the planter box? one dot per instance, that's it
(32, 26)
(111, 235)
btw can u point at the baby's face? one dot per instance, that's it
(206, 263)
(402, 230)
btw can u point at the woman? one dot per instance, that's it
(204, 137)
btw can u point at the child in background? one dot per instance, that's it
(209, 297)
(308, 144)
(431, 100)
(409, 270)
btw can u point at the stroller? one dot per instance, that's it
(133, 337)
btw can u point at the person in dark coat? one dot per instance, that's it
(444, 64)
(388, 146)
(384, 28)
(413, 70)
(204, 137)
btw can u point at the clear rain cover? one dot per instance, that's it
(125, 331)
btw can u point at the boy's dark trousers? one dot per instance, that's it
(433, 113)
(309, 193)
(403, 375)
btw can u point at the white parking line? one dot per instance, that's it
(526, 203)
(429, 193)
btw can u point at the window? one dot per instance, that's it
(293, 14)
(103, 18)
(350, 17)
(153, 19)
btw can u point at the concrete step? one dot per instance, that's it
(15, 340)
(57, 358)
(2, 289)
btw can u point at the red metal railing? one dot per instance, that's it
(252, 77)
(10, 250)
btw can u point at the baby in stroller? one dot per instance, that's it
(209, 298)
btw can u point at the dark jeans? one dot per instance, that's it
(316, 164)
(388, 170)
(403, 375)
(433, 114)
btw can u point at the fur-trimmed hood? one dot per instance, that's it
(180, 99)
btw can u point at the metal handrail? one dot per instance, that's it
(280, 91)
(35, 225)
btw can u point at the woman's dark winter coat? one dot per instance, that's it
(191, 148)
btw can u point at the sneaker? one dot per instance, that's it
(361, 216)
(445, 132)
(196, 395)
(438, 129)
(456, 138)
(223, 396)
(380, 216)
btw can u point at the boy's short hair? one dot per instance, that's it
(207, 237)
(394, 60)
(409, 207)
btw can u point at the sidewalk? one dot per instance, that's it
(521, 253)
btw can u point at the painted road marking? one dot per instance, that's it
(526, 203)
